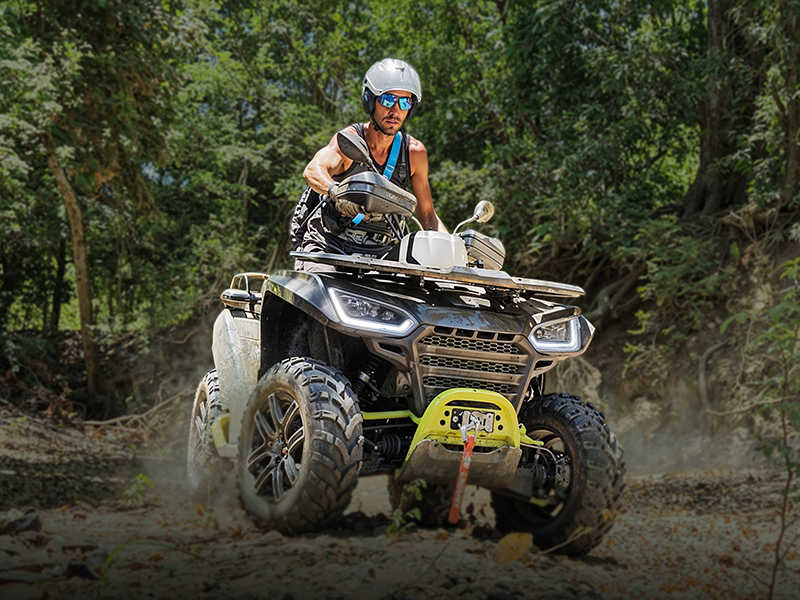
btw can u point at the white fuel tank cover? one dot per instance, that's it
(433, 249)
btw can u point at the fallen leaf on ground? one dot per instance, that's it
(511, 547)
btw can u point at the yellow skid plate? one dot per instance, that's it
(493, 416)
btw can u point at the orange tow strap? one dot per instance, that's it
(461, 481)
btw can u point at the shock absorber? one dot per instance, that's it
(366, 375)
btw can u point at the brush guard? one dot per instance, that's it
(438, 445)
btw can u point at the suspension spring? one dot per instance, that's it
(366, 375)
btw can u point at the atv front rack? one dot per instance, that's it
(470, 275)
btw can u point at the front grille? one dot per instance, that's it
(470, 365)
(445, 383)
(458, 358)
(469, 344)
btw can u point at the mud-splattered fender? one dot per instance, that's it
(237, 356)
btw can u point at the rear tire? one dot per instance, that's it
(569, 427)
(202, 461)
(299, 447)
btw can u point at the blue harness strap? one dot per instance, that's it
(392, 162)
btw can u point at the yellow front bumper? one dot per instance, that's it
(437, 446)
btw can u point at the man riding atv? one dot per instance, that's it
(410, 354)
(390, 94)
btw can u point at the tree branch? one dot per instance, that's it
(606, 302)
(701, 368)
(142, 416)
(743, 410)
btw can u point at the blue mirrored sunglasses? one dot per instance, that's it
(388, 100)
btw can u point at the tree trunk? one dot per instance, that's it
(81, 261)
(716, 185)
(792, 167)
(58, 288)
(244, 196)
(10, 279)
(791, 175)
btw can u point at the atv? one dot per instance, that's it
(428, 363)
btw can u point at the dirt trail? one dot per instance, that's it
(687, 534)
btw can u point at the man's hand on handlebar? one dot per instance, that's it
(347, 208)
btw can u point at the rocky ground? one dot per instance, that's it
(80, 519)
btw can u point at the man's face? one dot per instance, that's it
(391, 119)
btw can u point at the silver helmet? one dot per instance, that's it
(390, 74)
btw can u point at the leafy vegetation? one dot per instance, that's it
(133, 496)
(401, 519)
(779, 341)
(150, 148)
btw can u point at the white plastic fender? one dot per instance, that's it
(237, 357)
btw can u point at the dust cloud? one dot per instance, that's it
(663, 427)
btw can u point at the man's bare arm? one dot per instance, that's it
(418, 157)
(327, 162)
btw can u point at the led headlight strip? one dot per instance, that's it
(561, 335)
(366, 313)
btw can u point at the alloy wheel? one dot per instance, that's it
(276, 450)
(556, 498)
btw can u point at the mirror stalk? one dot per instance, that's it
(470, 220)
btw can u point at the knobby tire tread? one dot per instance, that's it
(602, 480)
(209, 460)
(336, 448)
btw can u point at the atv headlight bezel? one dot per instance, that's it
(369, 314)
(559, 336)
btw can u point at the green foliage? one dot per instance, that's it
(133, 496)
(772, 30)
(402, 520)
(18, 351)
(97, 82)
(779, 341)
(682, 278)
(185, 126)
(102, 80)
(602, 117)
(31, 218)
(579, 121)
(17, 424)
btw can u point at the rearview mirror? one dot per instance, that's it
(483, 211)
(354, 147)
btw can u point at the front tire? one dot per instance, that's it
(583, 512)
(202, 461)
(299, 447)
